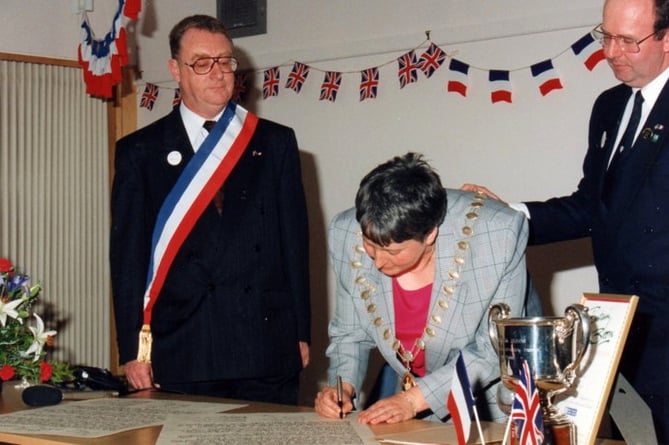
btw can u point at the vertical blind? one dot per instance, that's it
(54, 201)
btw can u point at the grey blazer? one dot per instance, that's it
(480, 261)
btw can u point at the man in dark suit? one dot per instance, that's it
(622, 201)
(209, 240)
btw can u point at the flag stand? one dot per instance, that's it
(507, 430)
(478, 425)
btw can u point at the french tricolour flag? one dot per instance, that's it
(500, 86)
(546, 77)
(589, 51)
(460, 401)
(457, 73)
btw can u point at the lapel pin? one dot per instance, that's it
(256, 153)
(174, 158)
(658, 127)
(647, 133)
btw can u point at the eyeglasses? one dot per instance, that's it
(626, 44)
(204, 65)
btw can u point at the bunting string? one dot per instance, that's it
(425, 58)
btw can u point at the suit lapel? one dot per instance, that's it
(447, 294)
(176, 150)
(610, 128)
(643, 155)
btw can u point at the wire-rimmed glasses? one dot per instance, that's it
(625, 43)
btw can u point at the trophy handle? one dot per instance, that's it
(581, 312)
(498, 311)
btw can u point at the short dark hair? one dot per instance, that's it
(661, 18)
(400, 200)
(199, 21)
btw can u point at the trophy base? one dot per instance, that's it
(559, 433)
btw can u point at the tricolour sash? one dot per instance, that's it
(202, 177)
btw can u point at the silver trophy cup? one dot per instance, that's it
(553, 348)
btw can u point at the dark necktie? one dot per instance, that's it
(208, 125)
(627, 140)
(218, 197)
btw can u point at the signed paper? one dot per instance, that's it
(100, 417)
(263, 428)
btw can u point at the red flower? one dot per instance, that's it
(5, 265)
(6, 372)
(45, 372)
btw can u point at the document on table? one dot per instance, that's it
(306, 428)
(444, 434)
(101, 417)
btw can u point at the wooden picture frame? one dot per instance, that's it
(611, 317)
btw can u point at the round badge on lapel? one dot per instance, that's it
(174, 158)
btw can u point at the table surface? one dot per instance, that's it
(149, 435)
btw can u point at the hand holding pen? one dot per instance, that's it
(335, 401)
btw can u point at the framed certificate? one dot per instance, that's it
(610, 316)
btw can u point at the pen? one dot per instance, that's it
(340, 402)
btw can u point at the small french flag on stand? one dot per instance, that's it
(460, 403)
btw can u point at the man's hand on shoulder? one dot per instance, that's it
(481, 189)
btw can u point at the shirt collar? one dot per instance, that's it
(193, 123)
(652, 91)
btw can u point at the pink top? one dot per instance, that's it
(411, 308)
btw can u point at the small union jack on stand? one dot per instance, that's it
(527, 423)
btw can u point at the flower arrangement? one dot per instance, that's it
(22, 332)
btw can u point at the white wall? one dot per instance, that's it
(530, 149)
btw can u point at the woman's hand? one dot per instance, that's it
(394, 409)
(326, 401)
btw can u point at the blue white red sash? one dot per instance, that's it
(194, 190)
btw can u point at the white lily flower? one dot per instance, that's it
(9, 309)
(41, 338)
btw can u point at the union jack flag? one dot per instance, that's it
(526, 409)
(149, 96)
(239, 90)
(297, 77)
(369, 83)
(431, 60)
(330, 86)
(270, 85)
(176, 100)
(407, 68)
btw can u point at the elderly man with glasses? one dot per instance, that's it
(622, 200)
(209, 240)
